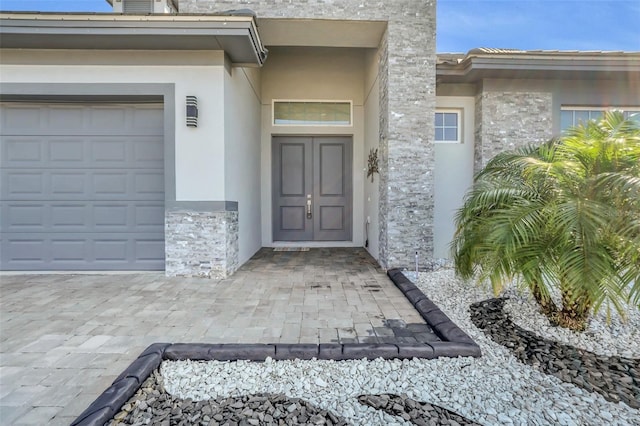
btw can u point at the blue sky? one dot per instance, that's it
(465, 24)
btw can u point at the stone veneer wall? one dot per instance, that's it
(407, 105)
(201, 244)
(508, 120)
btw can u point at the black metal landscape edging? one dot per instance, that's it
(455, 342)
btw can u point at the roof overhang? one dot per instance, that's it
(236, 35)
(481, 64)
(321, 32)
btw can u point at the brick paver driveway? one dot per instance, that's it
(64, 338)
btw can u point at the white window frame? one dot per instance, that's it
(321, 101)
(458, 112)
(626, 109)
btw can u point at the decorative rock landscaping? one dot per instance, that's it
(152, 405)
(615, 378)
(494, 389)
(419, 413)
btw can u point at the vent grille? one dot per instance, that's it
(137, 6)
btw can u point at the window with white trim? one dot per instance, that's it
(312, 113)
(572, 116)
(447, 126)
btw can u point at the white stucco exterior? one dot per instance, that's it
(199, 153)
(242, 155)
(371, 140)
(453, 173)
(314, 74)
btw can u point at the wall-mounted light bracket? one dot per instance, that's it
(192, 111)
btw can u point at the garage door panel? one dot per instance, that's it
(82, 120)
(101, 118)
(89, 152)
(30, 217)
(111, 250)
(68, 250)
(54, 217)
(66, 185)
(82, 251)
(18, 118)
(146, 120)
(23, 184)
(110, 184)
(24, 151)
(63, 151)
(69, 217)
(149, 184)
(148, 152)
(82, 187)
(24, 251)
(111, 216)
(109, 151)
(107, 184)
(148, 216)
(148, 250)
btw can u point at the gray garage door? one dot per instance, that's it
(81, 187)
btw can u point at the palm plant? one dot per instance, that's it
(561, 217)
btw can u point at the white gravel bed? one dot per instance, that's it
(615, 337)
(494, 389)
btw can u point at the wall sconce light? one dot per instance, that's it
(192, 111)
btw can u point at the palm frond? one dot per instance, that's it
(565, 214)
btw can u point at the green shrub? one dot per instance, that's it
(564, 215)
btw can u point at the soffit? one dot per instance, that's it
(321, 32)
(236, 35)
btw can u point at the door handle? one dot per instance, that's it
(309, 214)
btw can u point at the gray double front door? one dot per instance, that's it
(312, 188)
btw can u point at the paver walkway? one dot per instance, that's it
(64, 338)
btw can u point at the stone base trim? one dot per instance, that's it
(201, 244)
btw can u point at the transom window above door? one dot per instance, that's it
(312, 113)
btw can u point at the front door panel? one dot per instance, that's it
(312, 191)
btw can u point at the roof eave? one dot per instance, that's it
(475, 67)
(237, 35)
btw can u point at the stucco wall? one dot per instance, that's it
(314, 74)
(406, 114)
(453, 173)
(199, 163)
(372, 141)
(242, 156)
(201, 235)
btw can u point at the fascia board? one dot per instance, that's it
(21, 33)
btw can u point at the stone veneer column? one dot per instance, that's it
(509, 120)
(201, 243)
(407, 106)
